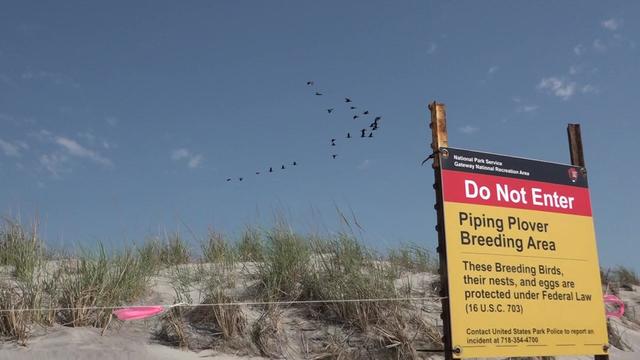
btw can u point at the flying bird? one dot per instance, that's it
(377, 118)
(334, 156)
(282, 167)
(318, 94)
(294, 163)
(228, 179)
(347, 99)
(348, 135)
(270, 169)
(240, 179)
(355, 117)
(370, 134)
(363, 131)
(310, 83)
(374, 127)
(330, 110)
(257, 172)
(333, 142)
(352, 107)
(366, 112)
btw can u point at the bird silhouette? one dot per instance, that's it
(329, 110)
(270, 169)
(363, 131)
(282, 167)
(366, 112)
(355, 117)
(257, 172)
(347, 99)
(240, 179)
(377, 118)
(294, 163)
(348, 135)
(333, 142)
(228, 179)
(310, 83)
(334, 156)
(370, 134)
(374, 127)
(318, 94)
(352, 107)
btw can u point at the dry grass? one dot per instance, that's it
(266, 333)
(292, 267)
(99, 280)
(350, 272)
(286, 263)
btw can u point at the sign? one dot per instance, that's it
(521, 253)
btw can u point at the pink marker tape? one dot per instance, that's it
(138, 312)
(617, 304)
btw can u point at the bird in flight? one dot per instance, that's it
(240, 179)
(334, 156)
(228, 179)
(318, 94)
(282, 167)
(270, 169)
(363, 131)
(352, 107)
(377, 118)
(355, 117)
(294, 163)
(310, 83)
(347, 99)
(348, 135)
(330, 110)
(257, 172)
(333, 142)
(366, 112)
(371, 134)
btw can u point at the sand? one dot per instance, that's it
(135, 339)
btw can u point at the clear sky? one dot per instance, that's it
(120, 120)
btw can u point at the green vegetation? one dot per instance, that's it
(274, 265)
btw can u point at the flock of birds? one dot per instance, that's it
(356, 114)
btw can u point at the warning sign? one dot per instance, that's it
(522, 262)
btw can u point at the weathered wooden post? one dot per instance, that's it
(577, 159)
(439, 139)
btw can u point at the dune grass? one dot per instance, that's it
(346, 270)
(99, 279)
(282, 265)
(87, 280)
(286, 261)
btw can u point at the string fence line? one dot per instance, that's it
(239, 303)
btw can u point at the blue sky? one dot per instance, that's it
(120, 121)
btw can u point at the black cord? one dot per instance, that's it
(427, 159)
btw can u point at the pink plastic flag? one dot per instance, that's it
(138, 312)
(617, 304)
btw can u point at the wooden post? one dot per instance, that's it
(577, 159)
(439, 139)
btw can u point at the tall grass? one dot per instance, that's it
(625, 276)
(218, 250)
(285, 264)
(21, 248)
(251, 246)
(98, 279)
(169, 251)
(413, 258)
(349, 271)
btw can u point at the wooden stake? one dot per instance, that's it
(439, 139)
(577, 159)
